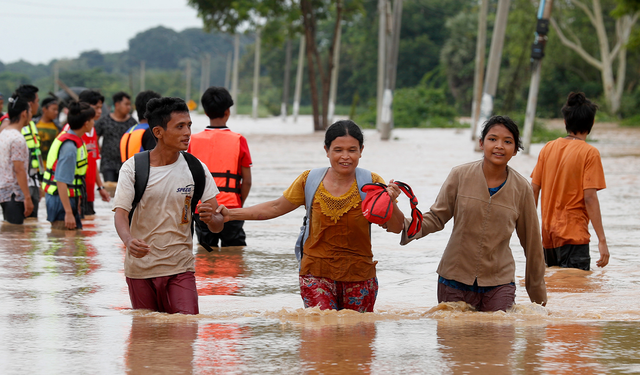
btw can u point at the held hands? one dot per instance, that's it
(393, 190)
(224, 211)
(207, 212)
(138, 248)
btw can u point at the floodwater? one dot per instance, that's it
(65, 307)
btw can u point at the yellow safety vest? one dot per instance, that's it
(49, 182)
(30, 133)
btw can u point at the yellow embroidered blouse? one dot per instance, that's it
(339, 243)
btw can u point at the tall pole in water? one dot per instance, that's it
(287, 78)
(142, 75)
(227, 75)
(333, 89)
(296, 95)
(382, 57)
(234, 79)
(188, 74)
(481, 46)
(56, 77)
(537, 53)
(493, 66)
(256, 75)
(387, 100)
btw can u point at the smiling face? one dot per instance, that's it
(178, 132)
(344, 154)
(498, 145)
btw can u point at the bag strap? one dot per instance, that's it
(416, 215)
(142, 167)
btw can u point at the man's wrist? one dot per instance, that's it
(100, 188)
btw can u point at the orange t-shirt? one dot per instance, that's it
(339, 243)
(565, 168)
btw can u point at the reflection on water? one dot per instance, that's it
(65, 306)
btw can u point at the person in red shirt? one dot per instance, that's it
(227, 156)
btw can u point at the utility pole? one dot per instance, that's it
(287, 78)
(387, 111)
(382, 57)
(56, 77)
(537, 53)
(202, 75)
(334, 77)
(142, 75)
(256, 75)
(234, 79)
(493, 66)
(296, 94)
(481, 46)
(227, 75)
(188, 74)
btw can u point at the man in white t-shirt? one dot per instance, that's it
(159, 263)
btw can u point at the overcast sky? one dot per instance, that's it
(41, 30)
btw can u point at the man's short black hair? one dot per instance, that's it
(92, 97)
(159, 111)
(48, 101)
(117, 97)
(141, 102)
(215, 101)
(27, 92)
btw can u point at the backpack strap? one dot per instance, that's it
(199, 179)
(363, 177)
(142, 166)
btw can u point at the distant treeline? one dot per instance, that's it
(435, 64)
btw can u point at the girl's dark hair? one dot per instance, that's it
(79, 114)
(507, 123)
(579, 113)
(342, 128)
(17, 105)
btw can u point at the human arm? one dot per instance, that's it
(103, 192)
(69, 218)
(396, 222)
(208, 214)
(262, 211)
(536, 193)
(593, 210)
(21, 175)
(528, 230)
(137, 248)
(246, 184)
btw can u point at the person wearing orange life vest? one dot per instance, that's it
(139, 137)
(227, 156)
(67, 164)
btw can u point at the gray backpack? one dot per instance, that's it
(314, 179)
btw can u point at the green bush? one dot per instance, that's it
(633, 121)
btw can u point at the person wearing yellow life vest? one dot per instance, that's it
(139, 137)
(67, 161)
(227, 156)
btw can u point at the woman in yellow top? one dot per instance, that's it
(337, 270)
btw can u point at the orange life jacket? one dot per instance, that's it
(220, 151)
(131, 141)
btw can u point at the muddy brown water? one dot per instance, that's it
(65, 307)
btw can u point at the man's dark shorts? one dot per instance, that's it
(171, 294)
(568, 256)
(231, 235)
(13, 211)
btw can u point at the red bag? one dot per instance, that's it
(378, 208)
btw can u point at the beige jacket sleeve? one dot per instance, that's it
(440, 213)
(528, 230)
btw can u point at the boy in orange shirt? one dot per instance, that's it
(569, 173)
